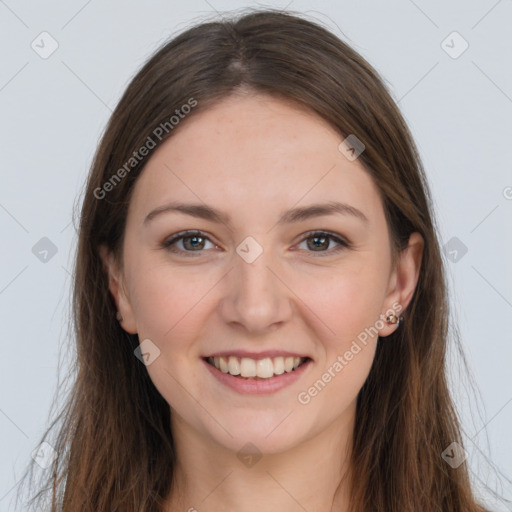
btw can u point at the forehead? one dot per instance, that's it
(247, 153)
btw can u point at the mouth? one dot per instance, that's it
(256, 369)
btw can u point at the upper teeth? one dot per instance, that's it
(263, 368)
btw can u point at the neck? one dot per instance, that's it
(313, 476)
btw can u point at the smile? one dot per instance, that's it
(262, 374)
(247, 367)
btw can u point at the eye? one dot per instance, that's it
(192, 241)
(321, 241)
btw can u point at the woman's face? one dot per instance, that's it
(257, 285)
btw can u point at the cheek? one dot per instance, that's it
(168, 307)
(166, 302)
(349, 307)
(348, 302)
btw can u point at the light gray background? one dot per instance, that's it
(53, 112)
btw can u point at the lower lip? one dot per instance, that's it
(249, 386)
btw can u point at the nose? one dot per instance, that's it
(256, 297)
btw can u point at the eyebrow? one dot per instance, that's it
(299, 214)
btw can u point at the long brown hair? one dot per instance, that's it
(114, 448)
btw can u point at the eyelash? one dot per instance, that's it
(168, 244)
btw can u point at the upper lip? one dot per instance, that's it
(255, 355)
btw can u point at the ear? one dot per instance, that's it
(118, 290)
(403, 280)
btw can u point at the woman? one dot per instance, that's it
(260, 301)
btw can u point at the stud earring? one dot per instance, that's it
(394, 320)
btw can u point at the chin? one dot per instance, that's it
(267, 433)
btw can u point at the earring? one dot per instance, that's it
(119, 317)
(393, 319)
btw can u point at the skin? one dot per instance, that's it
(292, 297)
